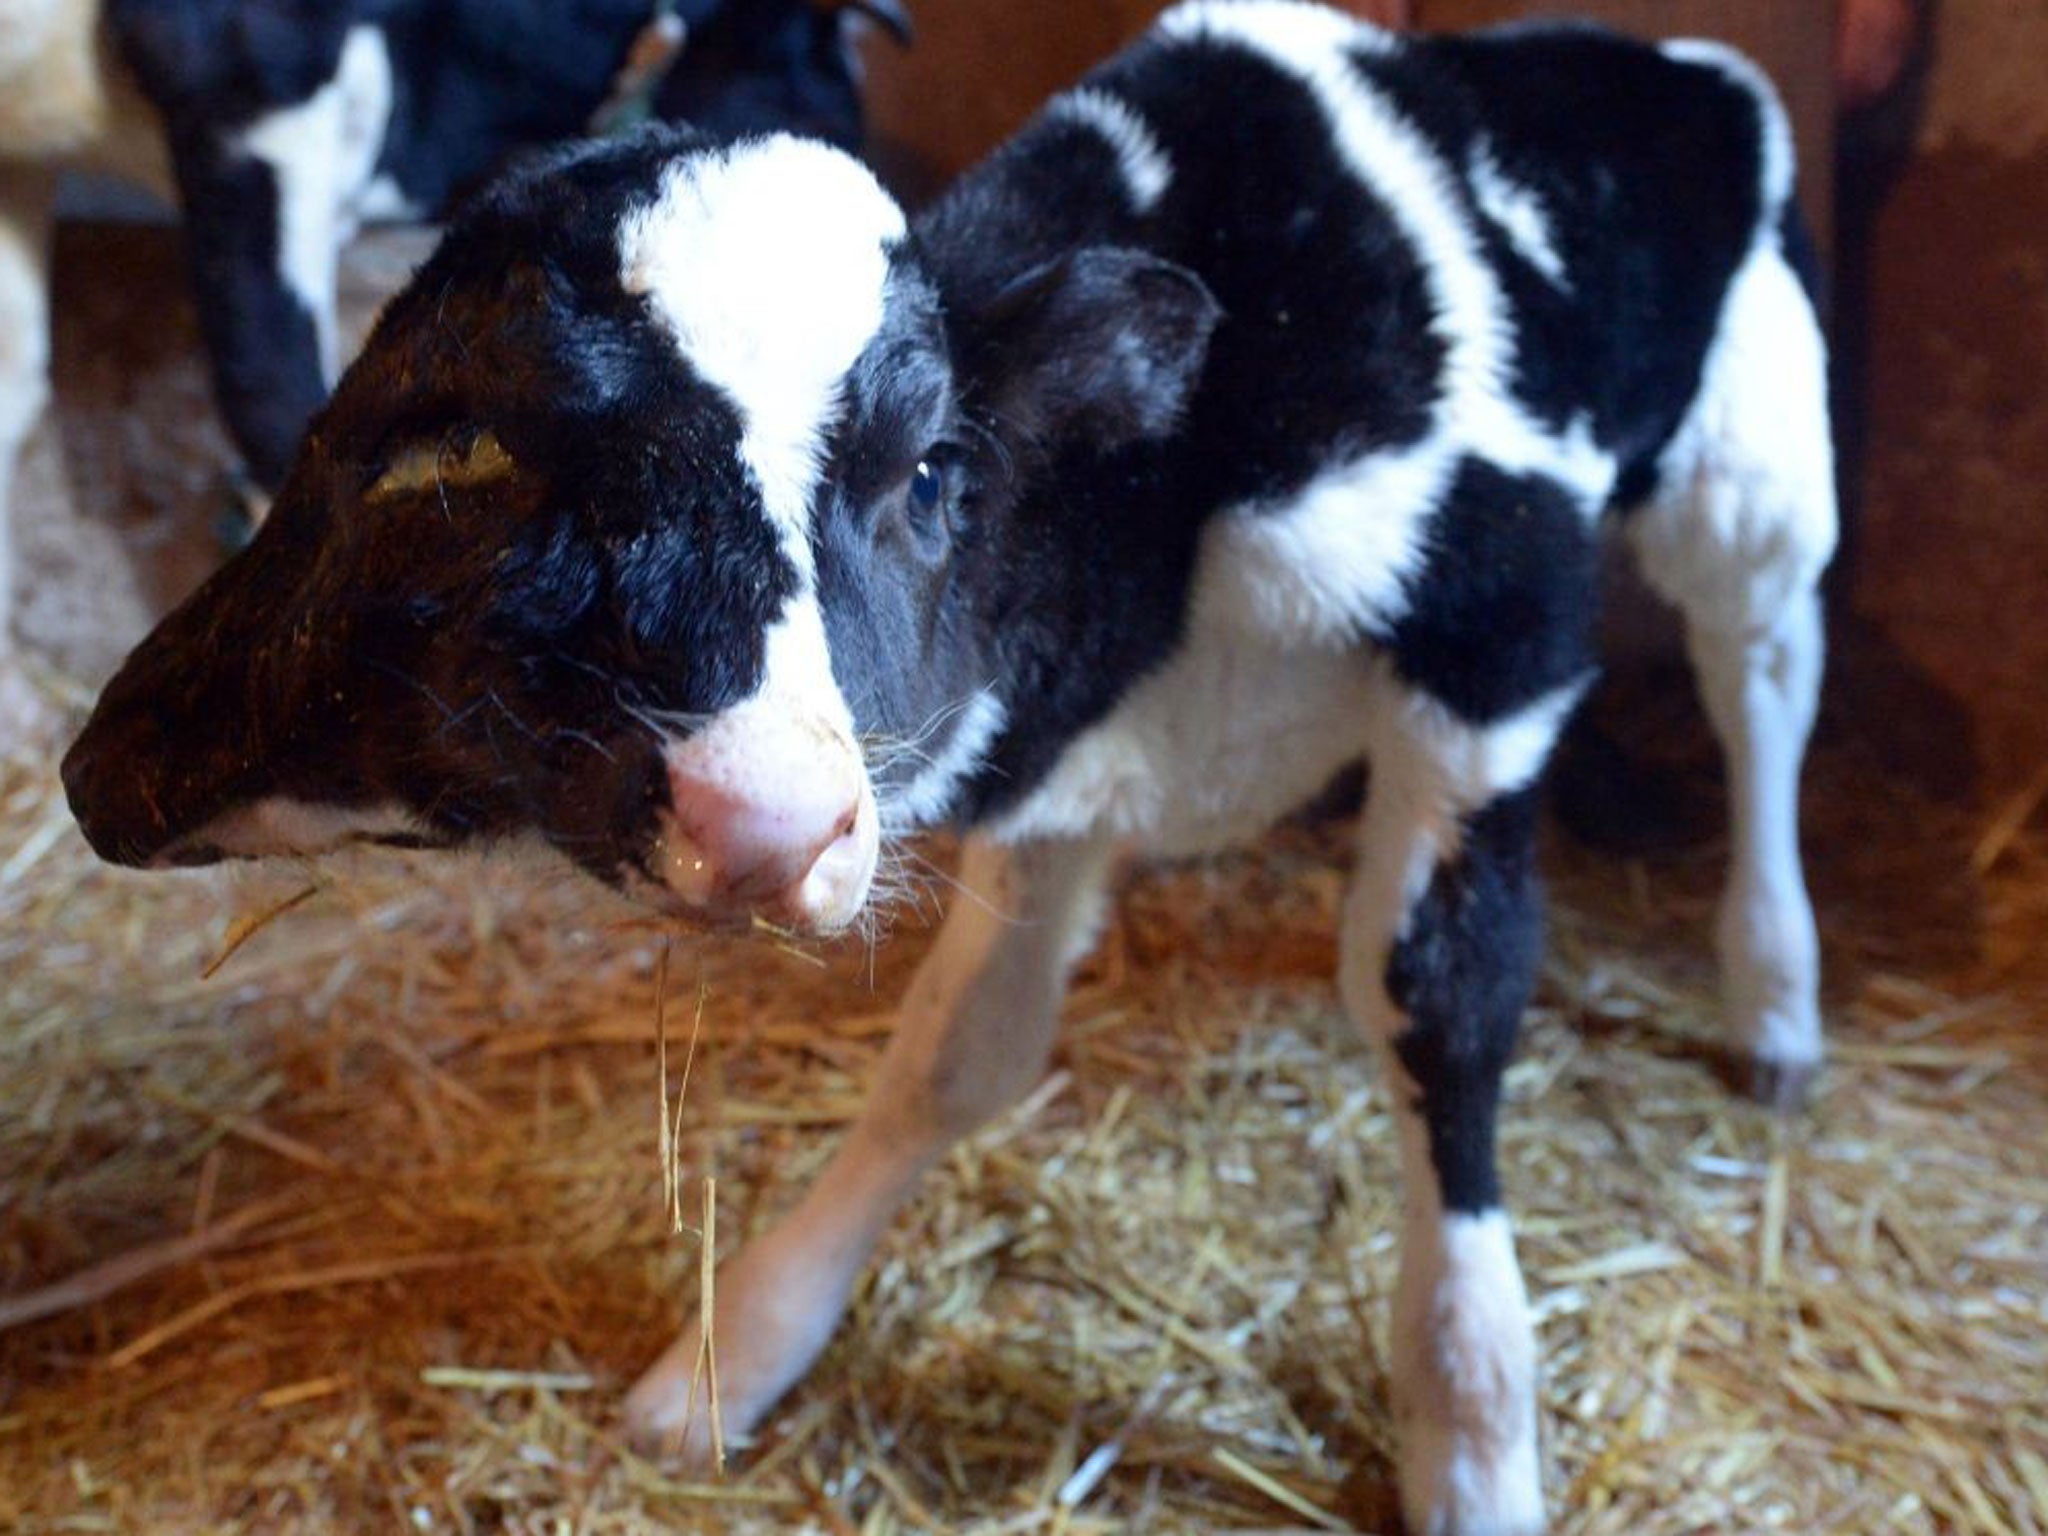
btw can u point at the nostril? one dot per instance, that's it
(831, 892)
(728, 846)
(688, 869)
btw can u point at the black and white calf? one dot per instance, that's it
(280, 125)
(1258, 407)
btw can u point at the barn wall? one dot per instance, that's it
(981, 67)
(1952, 561)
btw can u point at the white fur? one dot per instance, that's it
(1205, 751)
(1471, 765)
(278, 825)
(798, 677)
(1463, 1361)
(1760, 691)
(1294, 25)
(769, 263)
(1745, 513)
(1224, 738)
(924, 799)
(1520, 215)
(1333, 562)
(1147, 169)
(1737, 538)
(323, 152)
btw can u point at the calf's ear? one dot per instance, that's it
(1105, 343)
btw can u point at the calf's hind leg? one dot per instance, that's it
(1439, 951)
(977, 1024)
(1760, 689)
(1737, 540)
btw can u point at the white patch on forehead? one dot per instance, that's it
(1147, 170)
(768, 262)
(798, 675)
(1519, 214)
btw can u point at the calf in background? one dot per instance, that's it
(1173, 459)
(280, 125)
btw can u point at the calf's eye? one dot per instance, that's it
(927, 487)
(457, 460)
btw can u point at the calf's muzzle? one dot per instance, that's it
(769, 815)
(135, 798)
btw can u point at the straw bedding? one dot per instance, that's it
(368, 1231)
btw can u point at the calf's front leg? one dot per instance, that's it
(976, 1027)
(1439, 952)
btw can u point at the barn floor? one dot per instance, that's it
(367, 1230)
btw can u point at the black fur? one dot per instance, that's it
(1612, 135)
(1504, 609)
(1462, 973)
(261, 340)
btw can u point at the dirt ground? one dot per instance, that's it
(409, 1135)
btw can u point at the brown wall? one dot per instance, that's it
(981, 67)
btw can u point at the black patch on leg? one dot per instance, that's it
(261, 340)
(1462, 975)
(1503, 612)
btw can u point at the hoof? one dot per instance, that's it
(664, 1420)
(1781, 1085)
(1498, 1495)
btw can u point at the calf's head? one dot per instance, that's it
(659, 522)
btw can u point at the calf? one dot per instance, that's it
(699, 518)
(280, 126)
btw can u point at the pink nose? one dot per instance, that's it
(729, 849)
